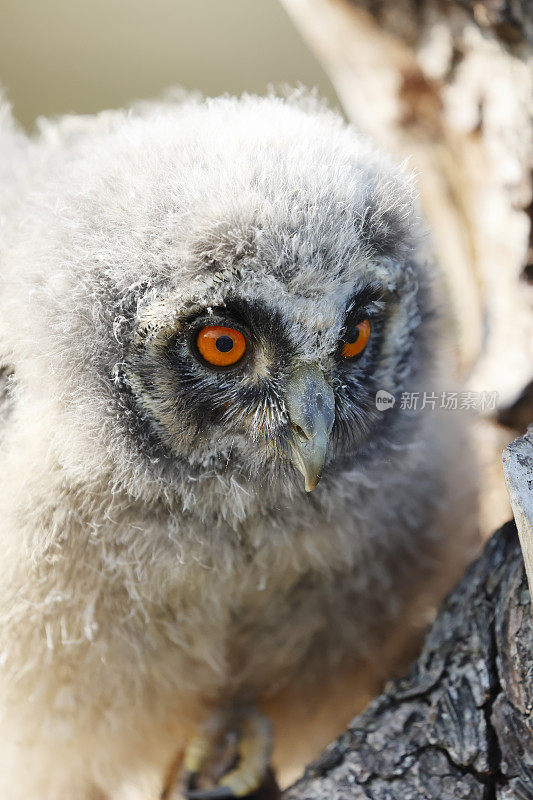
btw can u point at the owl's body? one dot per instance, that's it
(161, 561)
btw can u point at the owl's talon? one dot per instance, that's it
(197, 753)
(254, 750)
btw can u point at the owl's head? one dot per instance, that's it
(232, 282)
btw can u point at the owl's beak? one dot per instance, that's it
(311, 405)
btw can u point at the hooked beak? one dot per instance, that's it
(311, 406)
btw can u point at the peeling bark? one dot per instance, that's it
(460, 725)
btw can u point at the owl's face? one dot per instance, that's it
(266, 381)
(220, 289)
(298, 294)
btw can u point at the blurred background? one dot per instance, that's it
(71, 55)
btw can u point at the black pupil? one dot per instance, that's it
(224, 344)
(354, 336)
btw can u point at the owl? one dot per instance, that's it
(220, 504)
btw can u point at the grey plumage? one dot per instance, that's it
(162, 560)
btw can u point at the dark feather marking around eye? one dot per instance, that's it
(222, 399)
(356, 414)
(265, 323)
(364, 302)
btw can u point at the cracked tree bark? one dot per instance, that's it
(460, 725)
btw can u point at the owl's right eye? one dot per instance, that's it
(357, 341)
(220, 346)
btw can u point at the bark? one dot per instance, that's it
(460, 725)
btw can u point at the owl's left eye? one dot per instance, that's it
(356, 342)
(220, 346)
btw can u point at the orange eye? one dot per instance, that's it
(219, 346)
(359, 342)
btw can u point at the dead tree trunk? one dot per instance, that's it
(460, 725)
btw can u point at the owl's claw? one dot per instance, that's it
(254, 750)
(197, 753)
